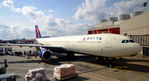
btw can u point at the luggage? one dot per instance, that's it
(64, 71)
(37, 74)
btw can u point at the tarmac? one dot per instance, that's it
(88, 68)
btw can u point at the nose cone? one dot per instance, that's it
(137, 47)
(133, 49)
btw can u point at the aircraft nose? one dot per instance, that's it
(137, 47)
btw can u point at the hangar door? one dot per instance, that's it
(146, 51)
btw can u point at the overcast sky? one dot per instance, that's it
(59, 17)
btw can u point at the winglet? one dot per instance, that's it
(38, 35)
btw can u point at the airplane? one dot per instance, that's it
(104, 45)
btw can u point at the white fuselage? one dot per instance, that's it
(108, 45)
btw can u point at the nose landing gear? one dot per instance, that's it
(113, 62)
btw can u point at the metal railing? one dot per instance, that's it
(143, 40)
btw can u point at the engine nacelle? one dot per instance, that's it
(45, 54)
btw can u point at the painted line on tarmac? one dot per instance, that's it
(19, 68)
(126, 70)
(90, 76)
(18, 71)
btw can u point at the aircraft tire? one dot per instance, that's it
(111, 65)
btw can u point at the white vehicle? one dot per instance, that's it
(105, 45)
(8, 51)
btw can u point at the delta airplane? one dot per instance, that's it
(105, 45)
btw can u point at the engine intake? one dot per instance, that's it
(45, 54)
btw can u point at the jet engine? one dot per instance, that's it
(45, 54)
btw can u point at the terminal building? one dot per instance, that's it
(134, 25)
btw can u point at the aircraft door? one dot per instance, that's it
(106, 46)
(128, 46)
(108, 42)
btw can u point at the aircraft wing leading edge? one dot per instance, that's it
(35, 45)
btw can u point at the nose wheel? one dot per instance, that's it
(70, 55)
(110, 62)
(115, 63)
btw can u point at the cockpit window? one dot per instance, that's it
(131, 41)
(123, 41)
(127, 41)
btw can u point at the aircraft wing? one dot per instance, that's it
(60, 48)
